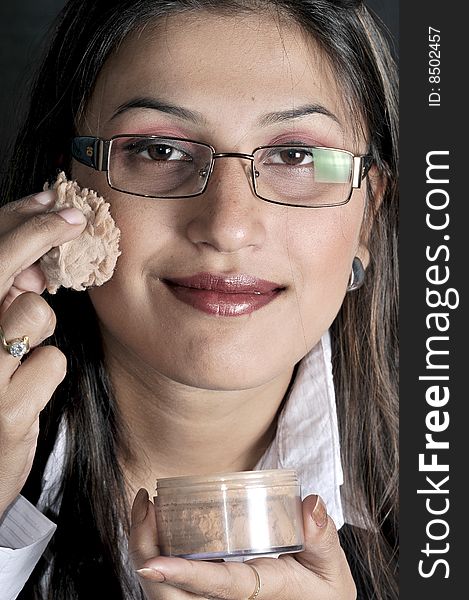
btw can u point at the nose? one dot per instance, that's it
(230, 215)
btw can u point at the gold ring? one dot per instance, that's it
(258, 583)
(17, 347)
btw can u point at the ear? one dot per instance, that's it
(375, 183)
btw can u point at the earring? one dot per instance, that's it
(357, 276)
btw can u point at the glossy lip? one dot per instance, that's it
(224, 295)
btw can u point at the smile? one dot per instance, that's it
(224, 296)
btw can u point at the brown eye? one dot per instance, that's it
(159, 152)
(292, 156)
(289, 157)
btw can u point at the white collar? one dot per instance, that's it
(307, 437)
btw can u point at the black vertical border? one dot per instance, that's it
(423, 129)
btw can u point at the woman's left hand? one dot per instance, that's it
(320, 572)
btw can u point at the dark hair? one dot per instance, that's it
(86, 547)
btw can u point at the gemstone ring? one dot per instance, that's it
(17, 347)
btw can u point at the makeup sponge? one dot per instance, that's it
(90, 259)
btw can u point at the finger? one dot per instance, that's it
(31, 387)
(143, 537)
(12, 213)
(323, 553)
(226, 580)
(28, 315)
(30, 280)
(25, 244)
(143, 544)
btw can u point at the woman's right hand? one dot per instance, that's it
(27, 232)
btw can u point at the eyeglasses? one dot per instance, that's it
(168, 167)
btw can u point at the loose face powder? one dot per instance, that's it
(230, 515)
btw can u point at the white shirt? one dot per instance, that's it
(307, 440)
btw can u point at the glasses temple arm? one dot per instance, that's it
(91, 151)
(361, 167)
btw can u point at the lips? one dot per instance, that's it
(227, 296)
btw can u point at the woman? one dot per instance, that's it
(168, 371)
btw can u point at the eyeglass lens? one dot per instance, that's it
(168, 168)
(300, 175)
(158, 167)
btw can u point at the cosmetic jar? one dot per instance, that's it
(230, 515)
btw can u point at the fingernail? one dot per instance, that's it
(72, 216)
(319, 514)
(45, 197)
(152, 574)
(140, 507)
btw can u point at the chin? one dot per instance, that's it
(221, 379)
(220, 375)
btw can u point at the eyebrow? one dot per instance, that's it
(295, 113)
(165, 107)
(197, 118)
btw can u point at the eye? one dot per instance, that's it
(157, 152)
(164, 152)
(292, 157)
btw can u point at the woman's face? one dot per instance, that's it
(236, 81)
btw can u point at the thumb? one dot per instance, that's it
(143, 537)
(323, 553)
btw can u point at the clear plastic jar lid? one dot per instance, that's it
(242, 479)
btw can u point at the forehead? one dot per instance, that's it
(217, 65)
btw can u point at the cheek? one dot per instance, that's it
(87, 177)
(321, 248)
(144, 230)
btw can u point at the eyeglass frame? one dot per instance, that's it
(94, 152)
